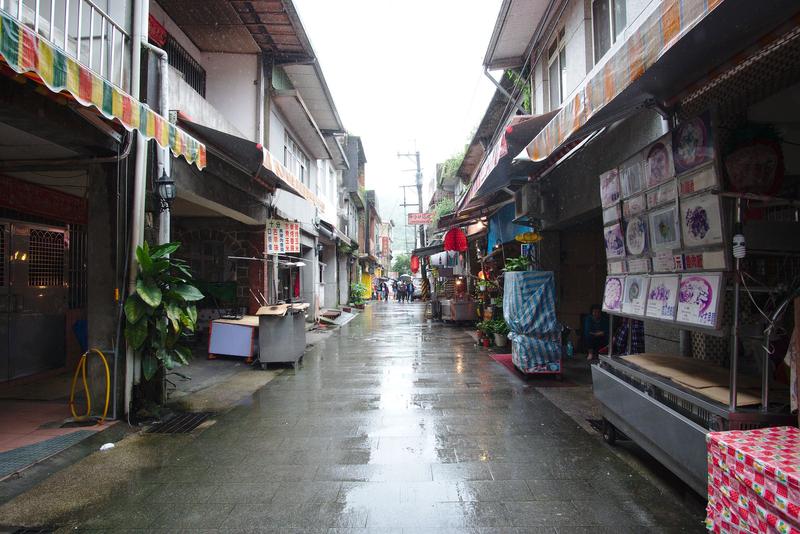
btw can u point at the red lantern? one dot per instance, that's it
(455, 239)
(414, 264)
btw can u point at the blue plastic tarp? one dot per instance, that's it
(529, 308)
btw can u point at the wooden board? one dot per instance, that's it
(247, 320)
(723, 396)
(278, 310)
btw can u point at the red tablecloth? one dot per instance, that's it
(754, 481)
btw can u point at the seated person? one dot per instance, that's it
(595, 331)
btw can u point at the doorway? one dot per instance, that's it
(33, 299)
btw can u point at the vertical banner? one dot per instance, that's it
(283, 237)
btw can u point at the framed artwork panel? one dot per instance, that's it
(662, 297)
(664, 229)
(699, 299)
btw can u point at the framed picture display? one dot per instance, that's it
(612, 296)
(631, 176)
(636, 237)
(634, 206)
(616, 267)
(615, 243)
(662, 194)
(699, 299)
(609, 188)
(612, 214)
(692, 144)
(635, 295)
(658, 162)
(662, 297)
(664, 229)
(701, 221)
(698, 180)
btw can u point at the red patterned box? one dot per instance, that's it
(754, 481)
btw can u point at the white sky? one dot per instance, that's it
(405, 76)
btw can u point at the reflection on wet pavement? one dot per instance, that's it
(394, 424)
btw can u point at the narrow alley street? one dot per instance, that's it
(391, 424)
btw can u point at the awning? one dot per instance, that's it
(292, 107)
(676, 43)
(26, 53)
(498, 170)
(241, 152)
(428, 251)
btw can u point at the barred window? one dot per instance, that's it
(46, 258)
(191, 71)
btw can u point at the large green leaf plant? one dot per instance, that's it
(161, 313)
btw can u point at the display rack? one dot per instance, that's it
(646, 400)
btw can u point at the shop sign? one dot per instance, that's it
(27, 197)
(420, 218)
(283, 237)
(385, 246)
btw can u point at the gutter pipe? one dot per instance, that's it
(163, 165)
(140, 16)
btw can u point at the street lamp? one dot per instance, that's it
(166, 191)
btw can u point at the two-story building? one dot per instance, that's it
(660, 118)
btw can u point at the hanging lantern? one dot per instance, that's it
(455, 240)
(414, 264)
(528, 237)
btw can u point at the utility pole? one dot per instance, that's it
(405, 214)
(415, 155)
(423, 268)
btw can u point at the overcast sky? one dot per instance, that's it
(405, 76)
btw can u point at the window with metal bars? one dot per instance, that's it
(191, 71)
(77, 267)
(46, 258)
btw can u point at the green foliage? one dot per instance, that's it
(522, 87)
(517, 264)
(450, 166)
(443, 207)
(499, 326)
(161, 313)
(486, 327)
(357, 292)
(402, 264)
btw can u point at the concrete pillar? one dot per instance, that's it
(102, 308)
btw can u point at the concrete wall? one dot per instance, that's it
(183, 98)
(572, 190)
(232, 89)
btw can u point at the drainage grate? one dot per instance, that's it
(597, 424)
(27, 530)
(180, 424)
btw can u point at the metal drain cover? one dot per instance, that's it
(180, 424)
(26, 530)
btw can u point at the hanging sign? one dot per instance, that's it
(420, 218)
(283, 237)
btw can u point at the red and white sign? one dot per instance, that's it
(283, 237)
(385, 245)
(420, 218)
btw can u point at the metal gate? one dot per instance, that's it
(33, 293)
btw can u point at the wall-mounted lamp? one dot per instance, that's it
(166, 191)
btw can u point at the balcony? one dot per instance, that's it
(83, 31)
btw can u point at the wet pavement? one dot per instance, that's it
(392, 424)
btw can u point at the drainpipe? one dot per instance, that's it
(140, 17)
(163, 156)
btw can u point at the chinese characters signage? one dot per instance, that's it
(283, 237)
(420, 218)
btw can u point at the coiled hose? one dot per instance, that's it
(81, 368)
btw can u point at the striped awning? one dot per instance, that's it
(665, 26)
(26, 53)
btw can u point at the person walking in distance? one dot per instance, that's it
(401, 292)
(410, 292)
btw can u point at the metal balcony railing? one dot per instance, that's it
(82, 30)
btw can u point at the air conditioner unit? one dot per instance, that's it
(529, 203)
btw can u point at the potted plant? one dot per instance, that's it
(161, 314)
(486, 328)
(357, 295)
(500, 330)
(517, 264)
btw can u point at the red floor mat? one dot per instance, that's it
(543, 381)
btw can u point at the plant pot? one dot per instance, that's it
(500, 340)
(486, 342)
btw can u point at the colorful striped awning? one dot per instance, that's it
(25, 52)
(645, 45)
